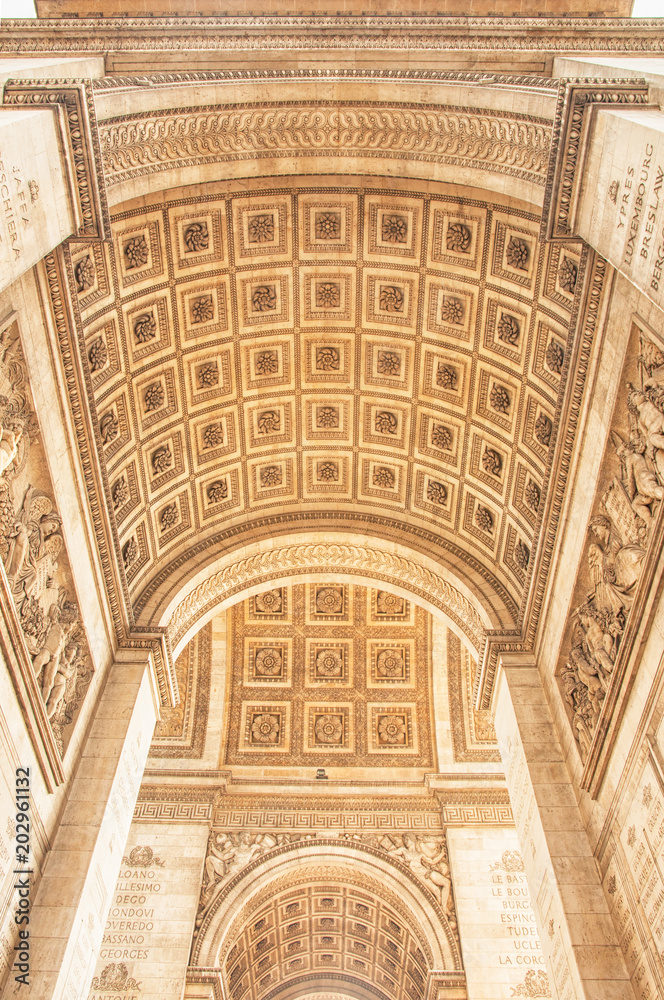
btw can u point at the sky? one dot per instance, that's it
(26, 8)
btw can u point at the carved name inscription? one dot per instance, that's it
(15, 197)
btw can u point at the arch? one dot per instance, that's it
(348, 556)
(325, 862)
(178, 130)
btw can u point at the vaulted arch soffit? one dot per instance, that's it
(304, 890)
(378, 345)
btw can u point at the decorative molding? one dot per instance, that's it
(321, 559)
(116, 82)
(460, 712)
(172, 812)
(576, 101)
(183, 803)
(478, 814)
(206, 34)
(204, 977)
(275, 814)
(180, 733)
(498, 599)
(596, 277)
(79, 134)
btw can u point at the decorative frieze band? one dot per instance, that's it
(182, 137)
(326, 558)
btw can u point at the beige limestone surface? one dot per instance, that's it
(35, 206)
(501, 944)
(621, 210)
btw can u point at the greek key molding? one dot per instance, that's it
(172, 812)
(193, 136)
(326, 558)
(306, 814)
(478, 815)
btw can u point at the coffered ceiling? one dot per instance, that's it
(379, 353)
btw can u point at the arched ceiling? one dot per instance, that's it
(377, 352)
(328, 933)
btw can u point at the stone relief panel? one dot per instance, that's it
(35, 560)
(325, 674)
(626, 510)
(435, 364)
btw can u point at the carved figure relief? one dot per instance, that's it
(33, 552)
(617, 543)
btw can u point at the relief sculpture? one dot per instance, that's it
(228, 853)
(426, 857)
(33, 553)
(618, 537)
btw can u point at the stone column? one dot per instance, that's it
(72, 900)
(36, 210)
(577, 933)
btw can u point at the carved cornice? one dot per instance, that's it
(512, 34)
(209, 977)
(326, 558)
(546, 84)
(576, 101)
(79, 130)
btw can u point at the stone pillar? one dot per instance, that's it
(151, 919)
(36, 211)
(70, 906)
(621, 204)
(577, 934)
(502, 955)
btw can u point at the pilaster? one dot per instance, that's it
(578, 937)
(71, 903)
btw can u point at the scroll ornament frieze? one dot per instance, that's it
(33, 553)
(173, 138)
(424, 855)
(618, 537)
(294, 558)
